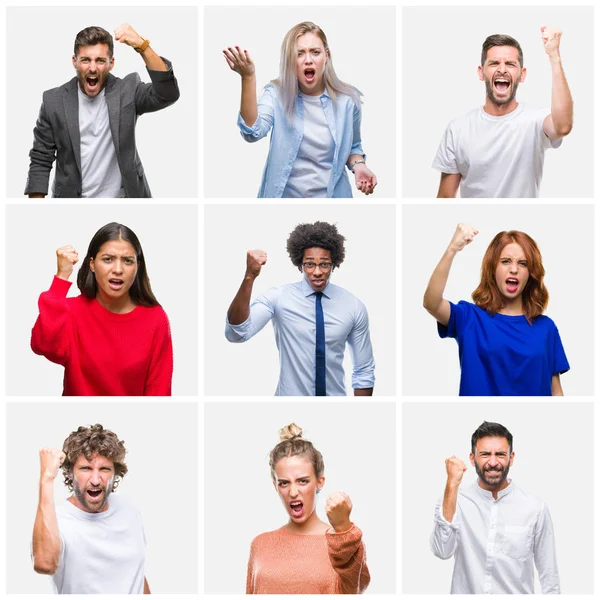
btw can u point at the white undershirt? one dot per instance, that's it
(311, 170)
(100, 173)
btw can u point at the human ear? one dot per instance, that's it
(74, 61)
(92, 265)
(472, 459)
(523, 75)
(480, 72)
(111, 64)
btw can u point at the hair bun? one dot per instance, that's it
(290, 431)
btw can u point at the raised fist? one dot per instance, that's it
(463, 236)
(51, 460)
(551, 39)
(126, 34)
(239, 61)
(455, 469)
(338, 507)
(255, 259)
(66, 258)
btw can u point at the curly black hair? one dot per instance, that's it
(316, 235)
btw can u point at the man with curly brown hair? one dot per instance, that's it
(313, 319)
(88, 544)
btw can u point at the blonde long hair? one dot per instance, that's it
(287, 82)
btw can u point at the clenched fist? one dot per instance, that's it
(338, 507)
(255, 259)
(455, 469)
(51, 460)
(66, 258)
(126, 34)
(462, 237)
(551, 39)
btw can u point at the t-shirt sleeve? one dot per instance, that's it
(459, 316)
(546, 141)
(445, 159)
(560, 362)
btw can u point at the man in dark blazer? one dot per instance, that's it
(88, 124)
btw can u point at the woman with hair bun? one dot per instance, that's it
(315, 118)
(113, 339)
(307, 555)
(506, 346)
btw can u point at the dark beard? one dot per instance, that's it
(83, 499)
(489, 90)
(501, 480)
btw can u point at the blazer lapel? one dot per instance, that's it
(71, 106)
(113, 102)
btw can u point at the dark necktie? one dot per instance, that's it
(320, 347)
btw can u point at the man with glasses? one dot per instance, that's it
(313, 318)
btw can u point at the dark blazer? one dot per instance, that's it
(56, 133)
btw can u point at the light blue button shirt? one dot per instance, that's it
(343, 119)
(292, 309)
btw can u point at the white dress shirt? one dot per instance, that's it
(292, 309)
(495, 543)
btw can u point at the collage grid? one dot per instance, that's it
(208, 479)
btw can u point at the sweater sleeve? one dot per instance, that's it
(52, 333)
(160, 373)
(250, 573)
(349, 559)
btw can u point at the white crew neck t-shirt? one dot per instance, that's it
(101, 553)
(497, 157)
(312, 168)
(100, 173)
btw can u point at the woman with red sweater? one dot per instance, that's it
(113, 339)
(307, 555)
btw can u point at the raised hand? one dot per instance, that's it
(51, 459)
(462, 237)
(126, 34)
(455, 469)
(255, 259)
(551, 39)
(239, 61)
(365, 179)
(66, 259)
(338, 507)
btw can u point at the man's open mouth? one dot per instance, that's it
(92, 81)
(501, 84)
(297, 508)
(94, 493)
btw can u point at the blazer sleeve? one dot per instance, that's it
(162, 92)
(349, 559)
(52, 333)
(41, 155)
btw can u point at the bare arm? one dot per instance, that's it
(433, 300)
(239, 310)
(449, 183)
(146, 587)
(455, 469)
(557, 386)
(559, 122)
(240, 62)
(126, 34)
(46, 537)
(363, 392)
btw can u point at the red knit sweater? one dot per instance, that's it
(104, 353)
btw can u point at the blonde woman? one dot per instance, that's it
(314, 116)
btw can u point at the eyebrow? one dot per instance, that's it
(115, 256)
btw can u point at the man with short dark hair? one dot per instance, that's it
(88, 124)
(89, 545)
(313, 319)
(498, 150)
(495, 531)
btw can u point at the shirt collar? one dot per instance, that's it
(324, 94)
(308, 291)
(488, 495)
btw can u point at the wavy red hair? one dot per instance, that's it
(535, 295)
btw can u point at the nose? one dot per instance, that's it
(293, 491)
(493, 461)
(117, 266)
(514, 267)
(317, 269)
(95, 478)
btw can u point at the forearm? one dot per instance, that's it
(153, 61)
(248, 103)
(434, 294)
(239, 310)
(363, 392)
(450, 500)
(46, 537)
(146, 587)
(562, 102)
(557, 386)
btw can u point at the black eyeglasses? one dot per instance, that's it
(310, 266)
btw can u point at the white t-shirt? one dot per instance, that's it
(312, 168)
(101, 553)
(100, 173)
(497, 157)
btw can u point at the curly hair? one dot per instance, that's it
(292, 444)
(91, 441)
(316, 235)
(535, 295)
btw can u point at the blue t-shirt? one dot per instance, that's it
(504, 355)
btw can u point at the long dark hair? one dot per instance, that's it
(141, 291)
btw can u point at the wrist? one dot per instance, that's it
(250, 276)
(64, 276)
(554, 57)
(343, 526)
(249, 78)
(453, 484)
(47, 480)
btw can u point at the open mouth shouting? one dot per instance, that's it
(92, 82)
(309, 74)
(512, 285)
(116, 284)
(502, 84)
(296, 508)
(94, 494)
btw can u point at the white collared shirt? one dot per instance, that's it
(495, 543)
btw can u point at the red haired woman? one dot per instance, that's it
(506, 346)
